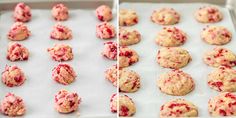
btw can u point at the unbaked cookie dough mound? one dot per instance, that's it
(13, 76)
(173, 57)
(61, 52)
(178, 108)
(128, 36)
(220, 56)
(208, 14)
(66, 102)
(104, 13)
(127, 17)
(12, 105)
(222, 79)
(110, 50)
(22, 12)
(105, 30)
(175, 82)
(111, 75)
(129, 81)
(127, 57)
(113, 103)
(127, 107)
(222, 105)
(61, 32)
(165, 16)
(63, 74)
(60, 12)
(171, 37)
(17, 52)
(18, 32)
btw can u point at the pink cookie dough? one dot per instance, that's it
(105, 30)
(22, 12)
(13, 76)
(111, 75)
(61, 32)
(66, 102)
(17, 52)
(18, 32)
(61, 52)
(60, 12)
(63, 74)
(12, 105)
(110, 50)
(113, 103)
(104, 13)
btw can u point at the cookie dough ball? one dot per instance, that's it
(110, 50)
(13, 76)
(222, 105)
(22, 12)
(104, 13)
(178, 108)
(220, 56)
(129, 81)
(63, 74)
(66, 102)
(18, 32)
(111, 75)
(128, 36)
(127, 17)
(175, 82)
(127, 57)
(216, 35)
(61, 32)
(165, 16)
(12, 105)
(171, 37)
(208, 14)
(61, 52)
(126, 106)
(17, 52)
(173, 57)
(113, 103)
(105, 30)
(60, 12)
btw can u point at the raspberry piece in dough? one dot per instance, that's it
(111, 75)
(126, 106)
(18, 32)
(127, 57)
(61, 52)
(128, 36)
(60, 12)
(110, 50)
(113, 103)
(165, 16)
(104, 13)
(105, 30)
(61, 32)
(127, 17)
(208, 14)
(17, 52)
(22, 13)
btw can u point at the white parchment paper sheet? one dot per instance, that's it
(39, 89)
(149, 98)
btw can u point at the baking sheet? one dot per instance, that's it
(149, 70)
(39, 89)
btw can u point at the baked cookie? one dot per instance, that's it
(105, 30)
(171, 37)
(165, 16)
(126, 106)
(13, 76)
(127, 57)
(110, 50)
(220, 56)
(175, 82)
(61, 52)
(66, 102)
(63, 74)
(113, 103)
(12, 105)
(222, 105)
(111, 75)
(104, 13)
(216, 35)
(128, 36)
(22, 12)
(61, 32)
(178, 108)
(129, 81)
(17, 52)
(60, 12)
(208, 14)
(18, 32)
(127, 17)
(173, 57)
